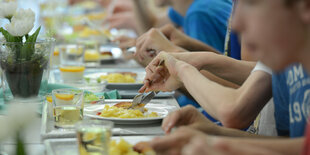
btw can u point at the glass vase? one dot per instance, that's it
(25, 70)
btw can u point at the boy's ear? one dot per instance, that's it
(303, 7)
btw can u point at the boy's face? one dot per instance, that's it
(272, 30)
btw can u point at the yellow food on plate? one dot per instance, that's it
(75, 51)
(121, 148)
(107, 33)
(118, 78)
(113, 111)
(106, 55)
(91, 55)
(89, 32)
(96, 16)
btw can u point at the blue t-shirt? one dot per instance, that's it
(205, 20)
(234, 49)
(291, 92)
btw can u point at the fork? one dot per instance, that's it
(144, 99)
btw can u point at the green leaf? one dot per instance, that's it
(20, 147)
(10, 38)
(33, 37)
(28, 48)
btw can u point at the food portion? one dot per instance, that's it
(121, 110)
(90, 98)
(127, 105)
(124, 148)
(124, 105)
(91, 56)
(106, 55)
(113, 77)
(72, 73)
(119, 78)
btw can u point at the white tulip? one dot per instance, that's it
(7, 9)
(21, 23)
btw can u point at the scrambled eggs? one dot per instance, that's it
(112, 111)
(118, 78)
(91, 55)
(121, 148)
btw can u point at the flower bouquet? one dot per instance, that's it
(24, 60)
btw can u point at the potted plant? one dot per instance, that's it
(24, 60)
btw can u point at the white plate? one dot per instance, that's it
(129, 94)
(69, 146)
(121, 86)
(91, 111)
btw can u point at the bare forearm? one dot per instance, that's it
(284, 146)
(214, 129)
(222, 66)
(228, 68)
(212, 78)
(196, 45)
(206, 92)
(244, 103)
(145, 17)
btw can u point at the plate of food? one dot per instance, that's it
(119, 80)
(120, 113)
(118, 145)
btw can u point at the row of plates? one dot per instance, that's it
(126, 90)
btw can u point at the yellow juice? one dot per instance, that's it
(67, 116)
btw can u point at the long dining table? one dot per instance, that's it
(35, 141)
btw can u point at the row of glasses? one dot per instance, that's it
(93, 135)
(72, 62)
(72, 58)
(89, 52)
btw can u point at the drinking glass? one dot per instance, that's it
(68, 105)
(94, 136)
(71, 54)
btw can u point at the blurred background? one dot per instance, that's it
(68, 20)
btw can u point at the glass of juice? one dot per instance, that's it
(94, 136)
(72, 73)
(68, 105)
